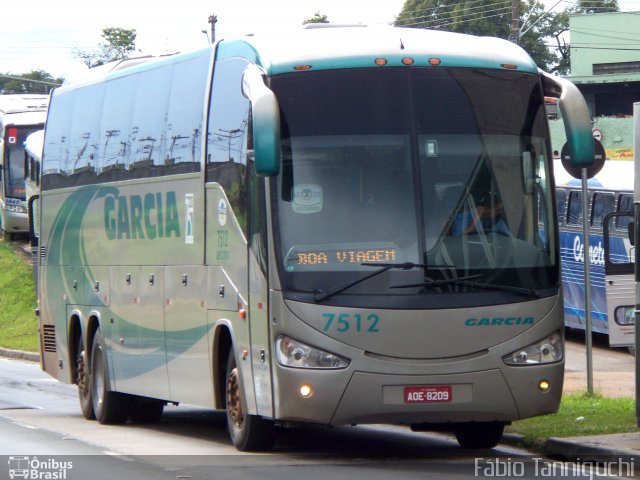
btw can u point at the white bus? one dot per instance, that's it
(268, 227)
(611, 253)
(20, 115)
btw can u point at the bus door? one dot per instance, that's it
(619, 279)
(259, 294)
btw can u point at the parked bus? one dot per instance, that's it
(267, 227)
(611, 253)
(20, 115)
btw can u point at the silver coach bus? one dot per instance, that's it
(335, 226)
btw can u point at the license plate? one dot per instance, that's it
(428, 394)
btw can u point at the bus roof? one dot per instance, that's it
(33, 144)
(21, 103)
(328, 48)
(345, 47)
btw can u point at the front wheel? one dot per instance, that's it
(247, 432)
(109, 407)
(479, 434)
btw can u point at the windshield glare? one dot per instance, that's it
(14, 186)
(443, 168)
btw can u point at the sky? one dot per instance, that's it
(44, 34)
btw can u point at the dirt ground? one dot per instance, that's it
(613, 368)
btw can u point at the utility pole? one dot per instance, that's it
(213, 18)
(514, 36)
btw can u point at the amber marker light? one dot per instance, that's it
(544, 386)
(302, 67)
(434, 62)
(408, 61)
(243, 313)
(306, 390)
(510, 66)
(380, 61)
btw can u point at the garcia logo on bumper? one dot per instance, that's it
(498, 321)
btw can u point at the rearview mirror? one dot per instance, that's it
(576, 118)
(265, 114)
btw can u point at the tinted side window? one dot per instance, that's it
(603, 204)
(625, 204)
(227, 135)
(561, 199)
(574, 209)
(134, 126)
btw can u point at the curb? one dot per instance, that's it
(579, 450)
(20, 355)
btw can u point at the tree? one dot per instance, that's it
(494, 19)
(317, 18)
(117, 44)
(35, 81)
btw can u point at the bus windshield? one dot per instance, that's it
(443, 169)
(13, 175)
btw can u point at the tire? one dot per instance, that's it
(247, 432)
(145, 410)
(83, 381)
(479, 434)
(109, 407)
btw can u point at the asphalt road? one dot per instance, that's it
(40, 419)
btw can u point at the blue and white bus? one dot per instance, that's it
(266, 227)
(611, 253)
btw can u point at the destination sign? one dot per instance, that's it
(299, 258)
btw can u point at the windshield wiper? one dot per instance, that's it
(324, 294)
(464, 281)
(439, 283)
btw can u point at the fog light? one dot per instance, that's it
(306, 391)
(544, 386)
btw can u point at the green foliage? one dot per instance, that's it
(541, 32)
(41, 82)
(117, 44)
(580, 415)
(317, 18)
(18, 324)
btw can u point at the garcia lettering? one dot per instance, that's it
(141, 217)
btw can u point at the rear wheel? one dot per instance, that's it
(109, 407)
(248, 432)
(479, 434)
(83, 382)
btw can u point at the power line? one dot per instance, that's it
(461, 19)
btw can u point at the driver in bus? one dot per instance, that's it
(487, 218)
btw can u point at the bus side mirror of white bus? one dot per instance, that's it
(265, 115)
(576, 118)
(631, 228)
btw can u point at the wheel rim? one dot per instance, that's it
(98, 378)
(81, 374)
(234, 402)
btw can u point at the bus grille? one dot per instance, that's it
(43, 252)
(49, 338)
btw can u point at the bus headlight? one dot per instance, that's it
(291, 353)
(547, 350)
(15, 208)
(625, 315)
